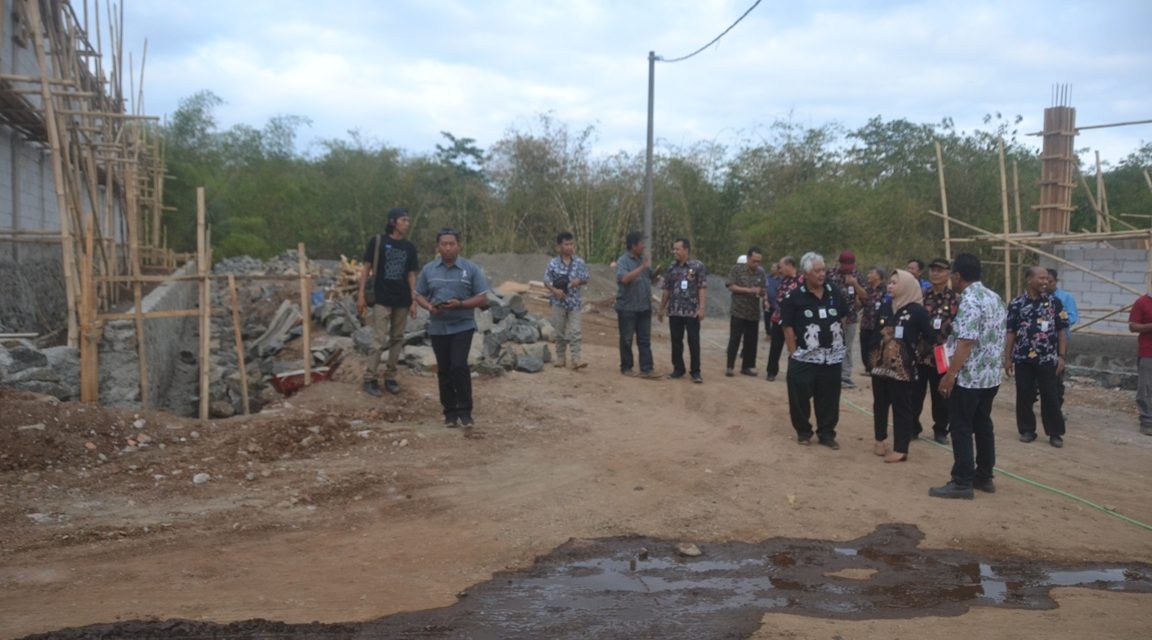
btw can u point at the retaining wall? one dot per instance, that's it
(1123, 261)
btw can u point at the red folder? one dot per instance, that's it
(942, 360)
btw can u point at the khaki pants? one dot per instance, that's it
(568, 336)
(388, 325)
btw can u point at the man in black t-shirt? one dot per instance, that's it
(393, 279)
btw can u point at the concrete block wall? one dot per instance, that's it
(1124, 262)
(119, 361)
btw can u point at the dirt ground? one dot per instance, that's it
(337, 507)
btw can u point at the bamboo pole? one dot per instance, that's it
(152, 315)
(306, 308)
(944, 203)
(89, 352)
(131, 214)
(1016, 194)
(1007, 230)
(239, 342)
(205, 303)
(1046, 254)
(1080, 327)
(1102, 195)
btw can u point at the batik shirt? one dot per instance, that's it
(942, 308)
(875, 298)
(896, 353)
(818, 324)
(1037, 323)
(746, 306)
(576, 269)
(788, 284)
(848, 292)
(683, 283)
(980, 319)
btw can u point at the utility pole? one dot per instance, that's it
(648, 155)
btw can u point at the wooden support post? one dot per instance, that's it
(1016, 194)
(944, 204)
(306, 311)
(205, 303)
(132, 217)
(1102, 197)
(1004, 209)
(89, 332)
(239, 342)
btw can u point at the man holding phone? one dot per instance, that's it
(450, 287)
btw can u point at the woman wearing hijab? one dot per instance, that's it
(900, 326)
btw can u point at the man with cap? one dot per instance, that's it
(847, 281)
(391, 264)
(942, 303)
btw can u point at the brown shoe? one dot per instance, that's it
(651, 375)
(896, 457)
(577, 365)
(880, 448)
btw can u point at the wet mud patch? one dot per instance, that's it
(643, 587)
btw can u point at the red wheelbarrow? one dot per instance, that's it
(290, 382)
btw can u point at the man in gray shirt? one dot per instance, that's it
(634, 305)
(450, 287)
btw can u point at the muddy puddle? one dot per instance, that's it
(643, 587)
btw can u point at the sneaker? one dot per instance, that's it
(847, 384)
(577, 365)
(986, 485)
(696, 378)
(1028, 436)
(952, 490)
(650, 375)
(373, 389)
(628, 372)
(466, 420)
(748, 372)
(676, 375)
(392, 386)
(1056, 441)
(728, 373)
(559, 364)
(451, 420)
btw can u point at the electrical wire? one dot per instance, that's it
(716, 39)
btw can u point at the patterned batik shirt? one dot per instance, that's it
(818, 324)
(980, 319)
(875, 297)
(848, 292)
(942, 308)
(576, 269)
(1037, 323)
(683, 283)
(788, 284)
(746, 306)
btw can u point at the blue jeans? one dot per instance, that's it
(638, 323)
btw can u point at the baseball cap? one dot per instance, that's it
(847, 258)
(940, 263)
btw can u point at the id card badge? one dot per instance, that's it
(1044, 326)
(899, 334)
(851, 292)
(936, 323)
(823, 314)
(683, 285)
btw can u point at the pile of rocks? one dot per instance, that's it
(54, 371)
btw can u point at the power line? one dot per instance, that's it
(717, 38)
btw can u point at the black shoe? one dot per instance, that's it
(801, 440)
(676, 375)
(392, 386)
(831, 444)
(1028, 436)
(987, 486)
(466, 419)
(951, 490)
(771, 377)
(941, 438)
(748, 372)
(847, 384)
(451, 420)
(696, 378)
(373, 389)
(1056, 441)
(728, 373)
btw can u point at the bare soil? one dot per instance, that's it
(334, 506)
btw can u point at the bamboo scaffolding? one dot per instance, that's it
(205, 303)
(944, 203)
(239, 343)
(1004, 210)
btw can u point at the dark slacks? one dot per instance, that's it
(888, 393)
(678, 326)
(747, 331)
(1034, 379)
(868, 337)
(775, 349)
(970, 419)
(814, 384)
(929, 385)
(452, 371)
(636, 324)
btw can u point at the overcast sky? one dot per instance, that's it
(401, 71)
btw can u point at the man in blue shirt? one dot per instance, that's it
(450, 287)
(1069, 303)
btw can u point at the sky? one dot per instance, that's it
(401, 71)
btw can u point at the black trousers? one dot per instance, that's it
(929, 385)
(452, 371)
(748, 331)
(970, 418)
(678, 326)
(1031, 379)
(775, 349)
(817, 384)
(888, 393)
(868, 337)
(636, 324)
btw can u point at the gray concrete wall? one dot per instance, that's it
(119, 362)
(1125, 262)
